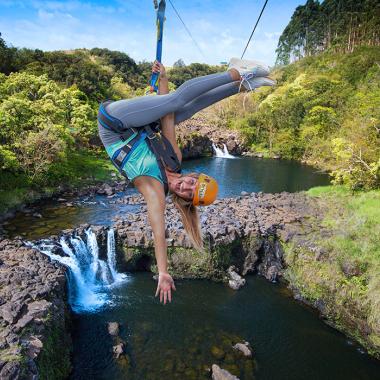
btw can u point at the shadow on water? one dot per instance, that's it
(182, 340)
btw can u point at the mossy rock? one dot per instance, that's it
(124, 362)
(233, 369)
(54, 360)
(190, 374)
(218, 353)
(249, 370)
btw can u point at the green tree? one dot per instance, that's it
(181, 74)
(40, 123)
(179, 63)
(340, 25)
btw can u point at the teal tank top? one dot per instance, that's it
(141, 162)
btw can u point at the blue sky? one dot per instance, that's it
(221, 28)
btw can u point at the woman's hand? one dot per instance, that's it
(165, 287)
(158, 67)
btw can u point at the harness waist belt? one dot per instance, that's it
(121, 156)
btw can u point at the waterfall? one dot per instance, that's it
(90, 278)
(222, 153)
(111, 253)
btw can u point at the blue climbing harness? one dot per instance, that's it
(157, 142)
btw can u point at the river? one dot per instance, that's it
(289, 341)
(234, 176)
(182, 340)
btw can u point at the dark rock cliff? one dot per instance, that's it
(196, 135)
(34, 319)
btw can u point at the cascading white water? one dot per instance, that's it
(89, 277)
(111, 253)
(222, 153)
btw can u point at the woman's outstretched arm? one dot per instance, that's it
(154, 196)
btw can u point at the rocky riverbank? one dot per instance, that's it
(277, 236)
(34, 337)
(268, 234)
(64, 194)
(195, 137)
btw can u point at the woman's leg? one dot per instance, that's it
(147, 109)
(205, 100)
(217, 94)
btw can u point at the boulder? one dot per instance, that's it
(232, 145)
(351, 269)
(221, 374)
(39, 309)
(271, 273)
(243, 348)
(34, 348)
(235, 281)
(108, 190)
(24, 321)
(10, 371)
(113, 328)
(118, 350)
(11, 311)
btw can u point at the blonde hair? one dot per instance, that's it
(190, 218)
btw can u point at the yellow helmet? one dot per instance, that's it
(206, 190)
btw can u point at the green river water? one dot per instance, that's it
(182, 340)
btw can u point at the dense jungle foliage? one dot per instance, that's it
(48, 106)
(336, 25)
(324, 109)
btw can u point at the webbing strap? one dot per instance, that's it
(164, 153)
(121, 155)
(108, 121)
(113, 124)
(163, 149)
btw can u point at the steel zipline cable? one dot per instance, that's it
(254, 28)
(187, 29)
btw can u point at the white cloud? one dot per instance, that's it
(63, 19)
(274, 35)
(43, 15)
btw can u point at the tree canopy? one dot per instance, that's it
(340, 25)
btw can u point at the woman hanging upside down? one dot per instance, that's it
(122, 129)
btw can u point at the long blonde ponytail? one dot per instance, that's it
(190, 220)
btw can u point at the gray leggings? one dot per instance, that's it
(192, 96)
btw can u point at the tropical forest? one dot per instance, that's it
(284, 279)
